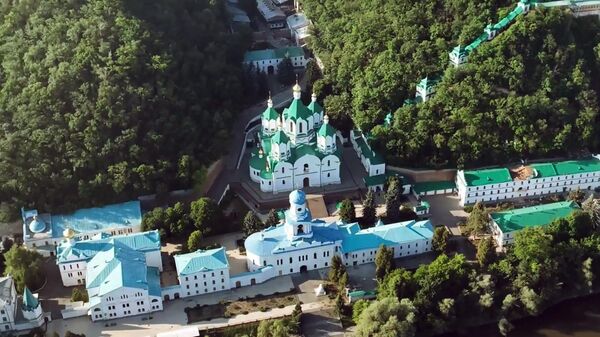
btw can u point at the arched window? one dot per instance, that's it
(329, 163)
(283, 170)
(305, 167)
(300, 229)
(291, 126)
(300, 127)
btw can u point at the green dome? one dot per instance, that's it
(270, 114)
(326, 129)
(280, 137)
(297, 110)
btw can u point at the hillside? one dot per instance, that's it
(531, 92)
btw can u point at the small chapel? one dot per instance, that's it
(297, 148)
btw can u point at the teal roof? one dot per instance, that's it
(543, 170)
(297, 110)
(270, 114)
(428, 186)
(362, 294)
(29, 301)
(84, 250)
(271, 54)
(540, 215)
(577, 166)
(256, 162)
(280, 137)
(391, 234)
(487, 176)
(326, 130)
(90, 220)
(373, 157)
(201, 261)
(375, 180)
(115, 268)
(315, 107)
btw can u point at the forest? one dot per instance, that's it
(530, 93)
(105, 100)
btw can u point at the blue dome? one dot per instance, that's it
(37, 225)
(297, 197)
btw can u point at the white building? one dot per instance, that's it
(298, 148)
(303, 243)
(506, 224)
(73, 256)
(43, 232)
(272, 14)
(527, 180)
(373, 162)
(298, 25)
(267, 60)
(120, 284)
(18, 313)
(202, 272)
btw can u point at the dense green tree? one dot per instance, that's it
(194, 241)
(110, 100)
(347, 212)
(398, 283)
(312, 74)
(369, 210)
(439, 241)
(205, 213)
(337, 269)
(580, 225)
(406, 213)
(251, 223)
(393, 199)
(25, 267)
(357, 308)
(384, 262)
(339, 304)
(285, 71)
(389, 315)
(486, 252)
(79, 294)
(272, 218)
(477, 222)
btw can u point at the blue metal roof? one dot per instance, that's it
(84, 250)
(391, 234)
(274, 240)
(29, 301)
(123, 215)
(153, 279)
(117, 267)
(201, 261)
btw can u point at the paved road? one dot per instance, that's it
(230, 173)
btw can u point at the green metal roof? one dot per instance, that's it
(428, 186)
(280, 137)
(487, 177)
(373, 157)
(270, 114)
(315, 107)
(256, 162)
(544, 170)
(297, 110)
(375, 180)
(29, 301)
(271, 54)
(540, 215)
(326, 130)
(577, 166)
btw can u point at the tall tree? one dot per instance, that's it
(477, 222)
(285, 71)
(251, 223)
(272, 218)
(592, 207)
(194, 241)
(576, 195)
(486, 252)
(205, 213)
(25, 267)
(369, 210)
(439, 241)
(337, 269)
(392, 199)
(347, 211)
(311, 74)
(384, 262)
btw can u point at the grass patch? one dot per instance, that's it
(205, 312)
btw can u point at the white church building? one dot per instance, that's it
(302, 243)
(298, 148)
(18, 313)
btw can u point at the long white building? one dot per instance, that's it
(506, 224)
(527, 180)
(302, 243)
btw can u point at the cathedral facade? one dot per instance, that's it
(297, 149)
